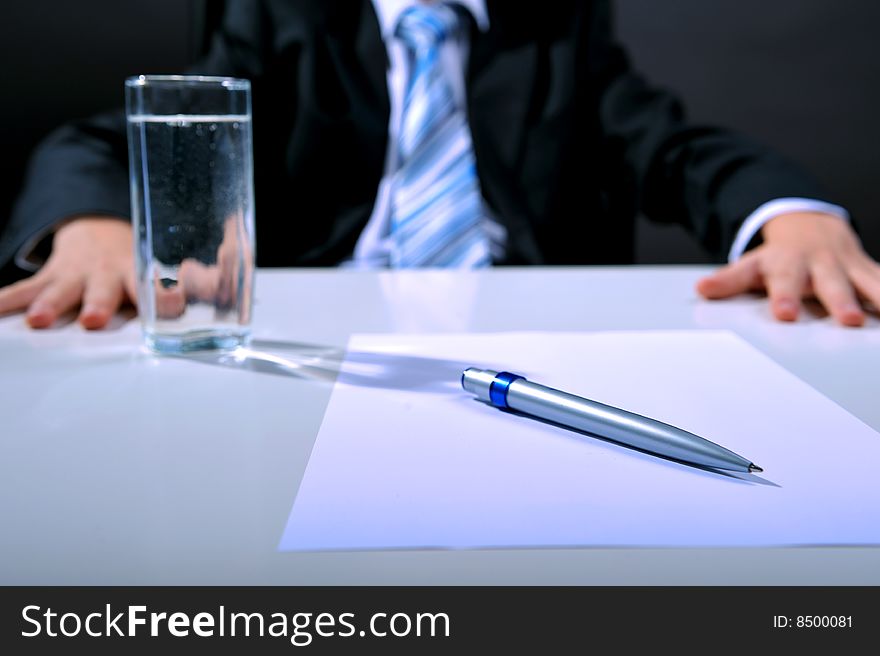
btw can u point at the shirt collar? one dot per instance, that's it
(389, 11)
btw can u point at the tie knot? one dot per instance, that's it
(427, 26)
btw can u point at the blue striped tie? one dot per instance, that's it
(436, 207)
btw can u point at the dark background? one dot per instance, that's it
(802, 75)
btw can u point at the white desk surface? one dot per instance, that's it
(118, 467)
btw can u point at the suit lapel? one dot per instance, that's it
(361, 110)
(351, 33)
(501, 75)
(370, 50)
(501, 83)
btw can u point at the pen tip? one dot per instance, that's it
(754, 468)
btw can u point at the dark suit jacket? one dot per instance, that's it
(570, 143)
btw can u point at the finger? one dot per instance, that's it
(865, 276)
(736, 278)
(199, 281)
(58, 297)
(786, 282)
(130, 283)
(244, 308)
(170, 300)
(20, 294)
(102, 297)
(832, 287)
(227, 295)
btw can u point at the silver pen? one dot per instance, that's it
(509, 391)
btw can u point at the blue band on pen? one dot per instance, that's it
(499, 386)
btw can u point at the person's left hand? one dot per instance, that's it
(804, 254)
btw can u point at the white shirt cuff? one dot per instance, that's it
(756, 220)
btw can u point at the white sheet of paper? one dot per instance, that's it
(406, 459)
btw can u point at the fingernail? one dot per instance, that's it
(852, 314)
(38, 310)
(39, 316)
(786, 310)
(91, 317)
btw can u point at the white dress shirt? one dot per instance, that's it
(373, 246)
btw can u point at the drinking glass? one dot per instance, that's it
(192, 200)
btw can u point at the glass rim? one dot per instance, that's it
(233, 83)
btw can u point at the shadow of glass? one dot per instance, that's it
(328, 364)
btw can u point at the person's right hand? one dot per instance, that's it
(91, 267)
